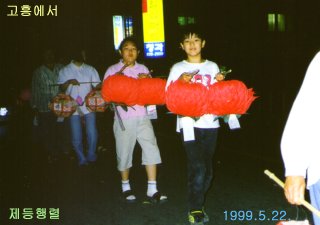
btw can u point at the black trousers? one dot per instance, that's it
(199, 159)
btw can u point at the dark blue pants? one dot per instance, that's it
(199, 159)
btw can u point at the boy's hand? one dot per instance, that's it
(143, 75)
(186, 77)
(219, 77)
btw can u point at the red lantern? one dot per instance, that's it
(151, 91)
(187, 99)
(63, 105)
(94, 101)
(120, 89)
(229, 97)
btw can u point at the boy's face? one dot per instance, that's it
(192, 45)
(129, 53)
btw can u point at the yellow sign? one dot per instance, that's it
(152, 16)
(153, 28)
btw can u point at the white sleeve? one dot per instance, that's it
(301, 134)
(95, 77)
(173, 75)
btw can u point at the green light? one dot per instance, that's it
(281, 23)
(182, 20)
(271, 21)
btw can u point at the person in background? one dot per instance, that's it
(44, 87)
(300, 143)
(138, 127)
(201, 148)
(77, 79)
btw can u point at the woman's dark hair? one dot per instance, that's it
(131, 39)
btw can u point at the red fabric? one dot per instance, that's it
(130, 91)
(187, 99)
(144, 6)
(151, 91)
(120, 89)
(229, 97)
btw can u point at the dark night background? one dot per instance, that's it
(273, 63)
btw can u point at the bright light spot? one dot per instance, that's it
(3, 111)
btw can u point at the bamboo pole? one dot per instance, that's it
(281, 184)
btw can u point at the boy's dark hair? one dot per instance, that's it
(77, 55)
(75, 50)
(131, 39)
(191, 29)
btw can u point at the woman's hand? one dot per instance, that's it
(219, 77)
(294, 189)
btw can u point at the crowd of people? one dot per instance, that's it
(198, 137)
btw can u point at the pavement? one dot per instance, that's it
(61, 193)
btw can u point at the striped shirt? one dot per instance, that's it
(44, 86)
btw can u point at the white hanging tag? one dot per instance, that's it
(233, 122)
(152, 112)
(188, 129)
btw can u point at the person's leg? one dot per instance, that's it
(151, 172)
(150, 155)
(92, 136)
(125, 142)
(125, 174)
(76, 134)
(125, 185)
(196, 171)
(314, 192)
(208, 143)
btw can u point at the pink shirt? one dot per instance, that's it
(132, 71)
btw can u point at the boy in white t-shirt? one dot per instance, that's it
(199, 149)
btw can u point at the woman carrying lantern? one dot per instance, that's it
(132, 123)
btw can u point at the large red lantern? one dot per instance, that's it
(187, 99)
(229, 97)
(151, 91)
(120, 89)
